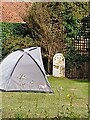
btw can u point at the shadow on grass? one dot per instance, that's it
(81, 80)
(45, 118)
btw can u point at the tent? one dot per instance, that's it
(23, 70)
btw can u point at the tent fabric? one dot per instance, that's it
(23, 70)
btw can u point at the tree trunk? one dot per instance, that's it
(48, 66)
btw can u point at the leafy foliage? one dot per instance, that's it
(73, 29)
(7, 30)
(16, 43)
(56, 26)
(14, 36)
(47, 27)
(14, 29)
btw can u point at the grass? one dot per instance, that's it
(41, 105)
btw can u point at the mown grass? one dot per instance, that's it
(42, 105)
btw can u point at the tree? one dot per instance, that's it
(73, 14)
(55, 26)
(47, 27)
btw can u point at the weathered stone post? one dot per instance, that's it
(59, 65)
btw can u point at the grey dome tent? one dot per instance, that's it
(23, 70)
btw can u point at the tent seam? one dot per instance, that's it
(13, 70)
(40, 69)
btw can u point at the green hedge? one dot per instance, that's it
(11, 32)
(13, 29)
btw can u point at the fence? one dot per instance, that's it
(82, 46)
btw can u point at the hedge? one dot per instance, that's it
(13, 29)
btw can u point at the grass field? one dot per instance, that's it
(40, 105)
